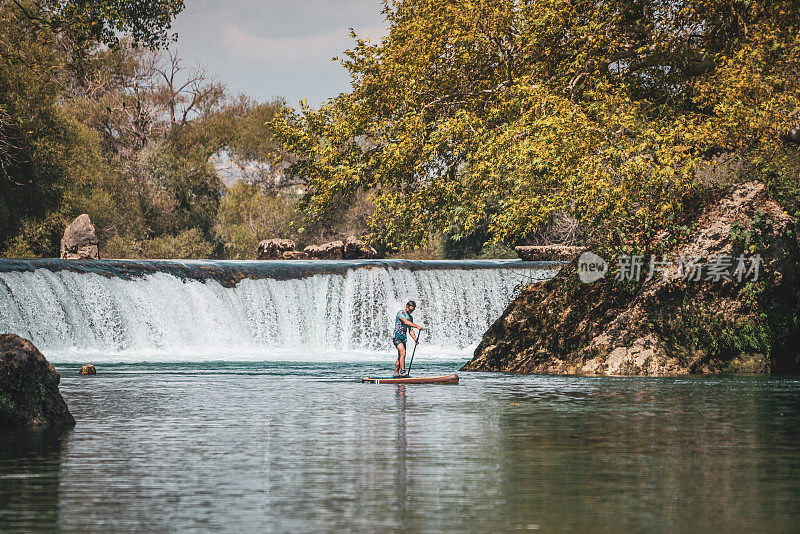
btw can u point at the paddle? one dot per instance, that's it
(408, 372)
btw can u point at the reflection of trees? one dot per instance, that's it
(29, 480)
(566, 454)
(653, 454)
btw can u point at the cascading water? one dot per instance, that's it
(119, 310)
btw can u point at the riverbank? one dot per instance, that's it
(669, 325)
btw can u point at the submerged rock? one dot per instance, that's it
(29, 395)
(665, 325)
(79, 241)
(88, 369)
(274, 249)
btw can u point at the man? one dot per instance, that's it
(404, 323)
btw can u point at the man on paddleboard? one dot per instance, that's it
(404, 323)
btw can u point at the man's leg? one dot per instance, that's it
(400, 364)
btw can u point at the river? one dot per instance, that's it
(303, 447)
(228, 399)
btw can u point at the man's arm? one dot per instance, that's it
(411, 330)
(409, 323)
(413, 335)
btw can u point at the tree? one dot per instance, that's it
(186, 97)
(51, 160)
(249, 215)
(239, 132)
(41, 147)
(498, 116)
(87, 22)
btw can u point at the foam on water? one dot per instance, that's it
(331, 316)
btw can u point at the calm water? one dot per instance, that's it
(287, 447)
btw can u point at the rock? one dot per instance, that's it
(355, 249)
(273, 249)
(29, 395)
(88, 369)
(313, 251)
(80, 241)
(351, 249)
(548, 253)
(326, 251)
(294, 255)
(792, 135)
(665, 325)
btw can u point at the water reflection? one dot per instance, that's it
(694, 455)
(224, 450)
(30, 462)
(401, 448)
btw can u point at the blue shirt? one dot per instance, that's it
(400, 328)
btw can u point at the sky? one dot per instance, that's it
(272, 48)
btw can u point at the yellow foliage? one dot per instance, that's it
(497, 115)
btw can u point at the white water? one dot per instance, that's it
(160, 317)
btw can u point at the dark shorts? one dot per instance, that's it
(398, 341)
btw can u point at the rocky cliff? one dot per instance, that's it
(691, 316)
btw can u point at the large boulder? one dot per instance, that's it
(326, 251)
(671, 323)
(80, 241)
(274, 249)
(29, 395)
(355, 249)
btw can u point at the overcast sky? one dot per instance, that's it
(268, 48)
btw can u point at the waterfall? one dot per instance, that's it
(163, 311)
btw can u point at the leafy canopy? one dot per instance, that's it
(498, 115)
(87, 22)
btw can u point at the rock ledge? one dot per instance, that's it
(665, 325)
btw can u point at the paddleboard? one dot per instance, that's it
(446, 379)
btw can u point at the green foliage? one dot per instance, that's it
(497, 251)
(53, 161)
(455, 246)
(35, 138)
(781, 178)
(89, 22)
(239, 128)
(176, 191)
(754, 237)
(248, 215)
(6, 402)
(112, 132)
(188, 244)
(497, 115)
(750, 340)
(702, 329)
(36, 238)
(243, 126)
(41, 390)
(476, 244)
